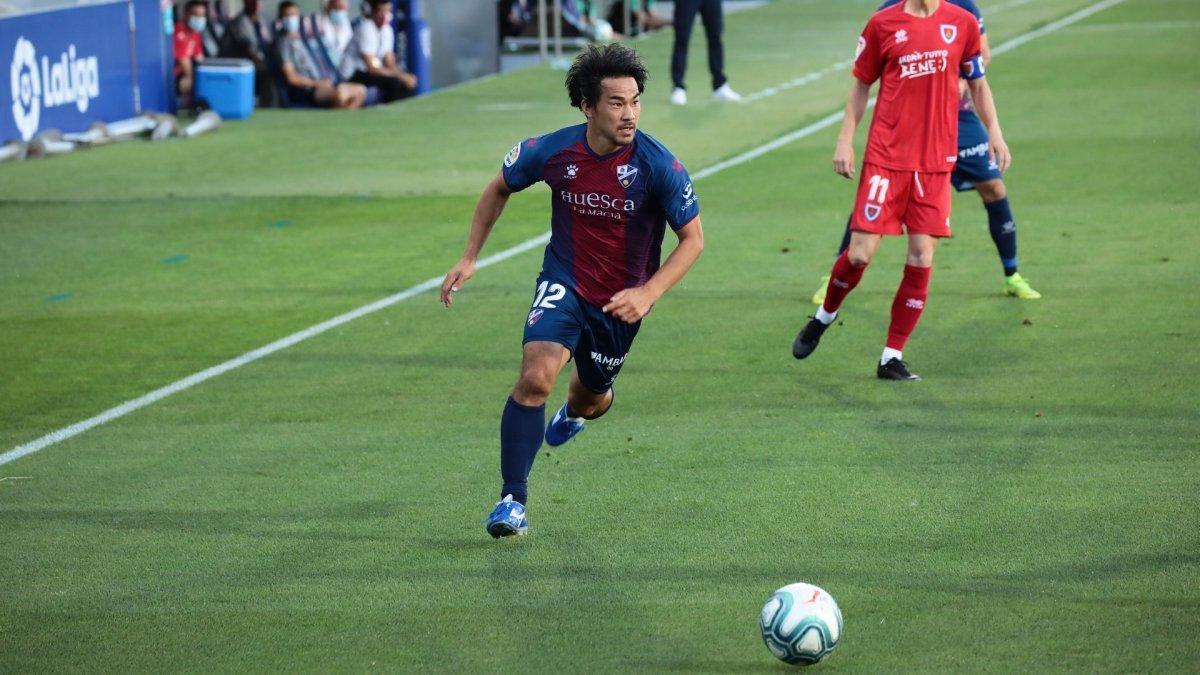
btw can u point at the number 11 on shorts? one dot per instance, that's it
(879, 186)
(878, 195)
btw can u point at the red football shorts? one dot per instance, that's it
(891, 202)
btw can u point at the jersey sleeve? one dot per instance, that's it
(523, 165)
(368, 39)
(972, 56)
(673, 189)
(868, 56)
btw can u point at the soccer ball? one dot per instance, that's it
(801, 624)
(602, 31)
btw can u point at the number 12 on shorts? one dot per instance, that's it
(548, 294)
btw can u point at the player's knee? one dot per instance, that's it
(920, 258)
(991, 191)
(858, 257)
(533, 388)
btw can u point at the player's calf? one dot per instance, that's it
(569, 421)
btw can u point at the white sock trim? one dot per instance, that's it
(824, 316)
(889, 354)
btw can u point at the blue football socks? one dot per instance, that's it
(521, 431)
(845, 237)
(1004, 232)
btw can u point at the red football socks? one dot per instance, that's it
(842, 280)
(907, 307)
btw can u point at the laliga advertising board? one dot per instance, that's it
(65, 69)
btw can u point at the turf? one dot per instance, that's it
(1032, 505)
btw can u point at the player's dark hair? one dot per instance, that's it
(286, 5)
(375, 4)
(596, 63)
(195, 3)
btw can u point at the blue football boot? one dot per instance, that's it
(507, 519)
(561, 428)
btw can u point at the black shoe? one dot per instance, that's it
(895, 369)
(808, 339)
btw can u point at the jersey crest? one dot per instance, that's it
(511, 157)
(949, 32)
(625, 174)
(872, 211)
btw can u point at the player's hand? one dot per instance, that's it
(843, 159)
(455, 278)
(631, 304)
(1000, 153)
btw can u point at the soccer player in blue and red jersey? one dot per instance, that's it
(613, 191)
(976, 170)
(918, 49)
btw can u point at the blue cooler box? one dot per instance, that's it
(227, 85)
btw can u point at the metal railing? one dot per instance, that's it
(548, 43)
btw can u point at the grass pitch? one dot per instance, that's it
(1032, 505)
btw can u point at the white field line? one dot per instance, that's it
(436, 282)
(841, 65)
(996, 9)
(797, 82)
(1054, 26)
(1136, 25)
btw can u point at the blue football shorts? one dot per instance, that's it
(599, 342)
(974, 165)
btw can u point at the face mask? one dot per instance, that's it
(340, 16)
(291, 24)
(197, 23)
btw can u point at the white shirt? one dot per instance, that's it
(336, 36)
(368, 39)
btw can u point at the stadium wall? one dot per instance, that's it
(67, 68)
(465, 42)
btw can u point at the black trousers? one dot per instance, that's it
(390, 88)
(714, 23)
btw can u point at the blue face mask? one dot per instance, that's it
(291, 24)
(339, 16)
(197, 23)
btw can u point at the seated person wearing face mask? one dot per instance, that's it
(371, 57)
(336, 32)
(303, 79)
(189, 48)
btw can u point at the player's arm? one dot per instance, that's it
(487, 212)
(631, 304)
(374, 65)
(985, 50)
(295, 79)
(392, 69)
(856, 105)
(985, 107)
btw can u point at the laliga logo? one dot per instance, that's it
(26, 89)
(71, 80)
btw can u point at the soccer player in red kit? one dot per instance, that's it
(918, 49)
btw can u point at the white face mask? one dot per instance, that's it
(339, 16)
(291, 24)
(197, 23)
